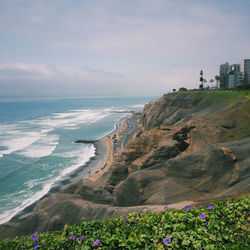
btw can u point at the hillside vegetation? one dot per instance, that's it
(221, 225)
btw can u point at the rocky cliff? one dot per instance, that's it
(190, 146)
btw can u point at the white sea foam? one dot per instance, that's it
(71, 119)
(9, 129)
(85, 155)
(64, 115)
(137, 106)
(69, 154)
(38, 151)
(81, 160)
(6, 216)
(14, 138)
(43, 147)
(19, 143)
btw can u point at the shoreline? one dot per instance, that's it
(92, 169)
(120, 127)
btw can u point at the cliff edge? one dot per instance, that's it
(190, 146)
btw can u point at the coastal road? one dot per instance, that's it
(126, 135)
(131, 129)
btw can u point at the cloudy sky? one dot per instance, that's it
(117, 47)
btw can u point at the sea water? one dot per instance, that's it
(37, 142)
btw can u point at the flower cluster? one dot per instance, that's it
(196, 228)
(166, 241)
(96, 242)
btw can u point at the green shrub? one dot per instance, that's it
(222, 225)
(243, 87)
(182, 89)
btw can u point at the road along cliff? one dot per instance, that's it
(189, 147)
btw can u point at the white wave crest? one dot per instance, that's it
(43, 147)
(16, 144)
(86, 154)
(71, 119)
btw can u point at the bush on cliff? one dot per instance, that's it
(182, 89)
(221, 225)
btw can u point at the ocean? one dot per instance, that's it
(37, 142)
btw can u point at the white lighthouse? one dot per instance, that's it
(201, 80)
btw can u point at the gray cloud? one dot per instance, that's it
(148, 46)
(41, 80)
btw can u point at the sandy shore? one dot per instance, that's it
(93, 169)
(109, 157)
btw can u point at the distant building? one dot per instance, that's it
(235, 67)
(234, 79)
(245, 69)
(224, 70)
(234, 76)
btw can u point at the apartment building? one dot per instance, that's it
(224, 70)
(245, 69)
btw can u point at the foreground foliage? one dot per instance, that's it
(221, 225)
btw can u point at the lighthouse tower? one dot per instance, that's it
(201, 80)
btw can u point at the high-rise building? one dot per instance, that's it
(235, 67)
(245, 69)
(224, 69)
(234, 76)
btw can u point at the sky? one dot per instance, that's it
(74, 48)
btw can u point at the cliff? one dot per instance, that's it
(190, 146)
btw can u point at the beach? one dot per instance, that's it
(38, 153)
(93, 169)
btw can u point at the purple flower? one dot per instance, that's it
(166, 241)
(187, 207)
(124, 218)
(6, 241)
(203, 216)
(35, 232)
(206, 223)
(43, 233)
(80, 238)
(96, 242)
(36, 245)
(134, 222)
(33, 237)
(71, 236)
(228, 205)
(201, 248)
(166, 208)
(210, 207)
(153, 211)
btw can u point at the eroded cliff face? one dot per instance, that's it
(188, 146)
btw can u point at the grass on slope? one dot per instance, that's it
(232, 109)
(221, 225)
